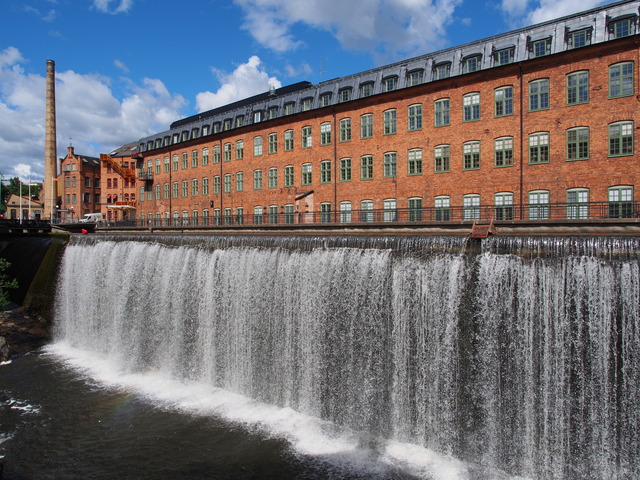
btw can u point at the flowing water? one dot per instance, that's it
(338, 358)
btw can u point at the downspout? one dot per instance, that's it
(335, 162)
(521, 142)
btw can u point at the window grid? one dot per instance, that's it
(539, 95)
(288, 176)
(288, 140)
(366, 125)
(471, 156)
(325, 134)
(539, 147)
(345, 169)
(414, 159)
(415, 117)
(306, 174)
(621, 139)
(257, 146)
(621, 80)
(389, 164)
(441, 112)
(366, 167)
(227, 183)
(273, 143)
(306, 137)
(239, 181)
(503, 101)
(471, 107)
(390, 122)
(442, 158)
(227, 152)
(345, 130)
(577, 88)
(325, 171)
(503, 148)
(257, 179)
(273, 178)
(239, 150)
(578, 144)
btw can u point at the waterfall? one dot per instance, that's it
(521, 355)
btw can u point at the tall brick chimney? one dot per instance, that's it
(50, 148)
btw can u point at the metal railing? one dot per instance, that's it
(565, 212)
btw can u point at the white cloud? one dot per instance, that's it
(247, 79)
(386, 28)
(121, 66)
(528, 12)
(104, 6)
(86, 109)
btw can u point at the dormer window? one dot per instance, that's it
(306, 104)
(414, 77)
(471, 63)
(441, 70)
(257, 117)
(366, 89)
(344, 94)
(580, 37)
(158, 142)
(622, 26)
(325, 99)
(195, 133)
(389, 84)
(166, 141)
(539, 48)
(205, 130)
(185, 136)
(239, 121)
(216, 127)
(289, 108)
(227, 124)
(504, 56)
(273, 113)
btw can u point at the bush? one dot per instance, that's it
(5, 283)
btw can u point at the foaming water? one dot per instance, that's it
(389, 355)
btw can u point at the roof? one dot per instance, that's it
(124, 150)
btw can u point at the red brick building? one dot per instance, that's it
(118, 173)
(537, 123)
(78, 186)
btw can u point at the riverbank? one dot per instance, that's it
(19, 333)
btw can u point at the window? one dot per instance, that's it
(273, 113)
(578, 143)
(166, 191)
(306, 104)
(228, 218)
(414, 159)
(227, 183)
(621, 80)
(504, 56)
(503, 101)
(325, 171)
(288, 140)
(579, 38)
(185, 188)
(239, 181)
(205, 186)
(441, 112)
(216, 216)
(389, 84)
(471, 207)
(257, 117)
(539, 205)
(194, 217)
(389, 164)
(194, 160)
(366, 211)
(157, 191)
(227, 152)
(503, 150)
(257, 179)
(621, 202)
(366, 167)
(539, 94)
(239, 121)
(289, 210)
(539, 147)
(216, 185)
(471, 107)
(442, 208)
(325, 212)
(441, 157)
(415, 117)
(390, 214)
(158, 165)
(216, 127)
(414, 78)
(205, 157)
(289, 108)
(194, 187)
(345, 212)
(503, 206)
(345, 130)
(325, 133)
(577, 88)
(185, 161)
(366, 125)
(441, 70)
(273, 143)
(471, 64)
(216, 154)
(325, 99)
(257, 215)
(306, 137)
(540, 48)
(621, 28)
(415, 209)
(306, 174)
(366, 89)
(577, 203)
(273, 178)
(205, 217)
(471, 156)
(227, 124)
(288, 176)
(620, 139)
(257, 146)
(239, 149)
(344, 94)
(390, 122)
(174, 191)
(345, 169)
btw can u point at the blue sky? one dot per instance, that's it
(126, 69)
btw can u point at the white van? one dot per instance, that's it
(92, 218)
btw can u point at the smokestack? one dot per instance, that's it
(49, 192)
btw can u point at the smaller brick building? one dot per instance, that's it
(118, 173)
(78, 186)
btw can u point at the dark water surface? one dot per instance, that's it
(54, 424)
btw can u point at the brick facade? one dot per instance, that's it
(78, 186)
(583, 127)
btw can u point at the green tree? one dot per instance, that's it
(5, 283)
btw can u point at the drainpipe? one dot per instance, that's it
(335, 161)
(521, 141)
